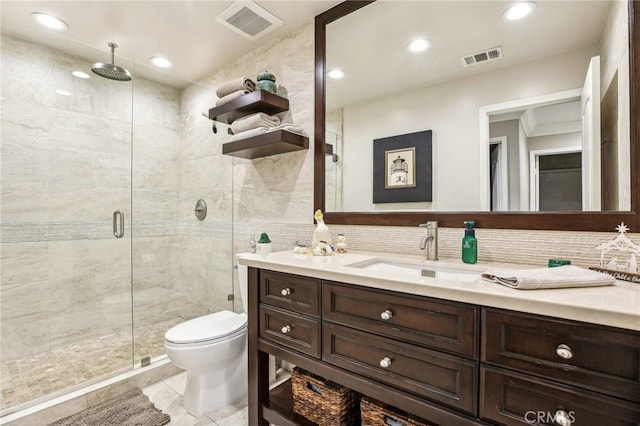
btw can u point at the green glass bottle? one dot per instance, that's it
(469, 243)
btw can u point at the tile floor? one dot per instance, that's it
(167, 396)
(44, 373)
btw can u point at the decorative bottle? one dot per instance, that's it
(469, 243)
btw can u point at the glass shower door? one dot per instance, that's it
(65, 290)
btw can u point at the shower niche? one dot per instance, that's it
(270, 143)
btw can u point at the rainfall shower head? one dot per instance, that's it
(111, 71)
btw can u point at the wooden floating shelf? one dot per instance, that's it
(270, 143)
(258, 101)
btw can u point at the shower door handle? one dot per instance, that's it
(118, 225)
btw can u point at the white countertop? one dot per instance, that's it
(617, 306)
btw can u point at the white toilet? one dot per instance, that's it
(213, 350)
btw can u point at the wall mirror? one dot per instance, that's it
(513, 129)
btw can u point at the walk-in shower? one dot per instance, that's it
(77, 304)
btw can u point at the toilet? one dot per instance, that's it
(213, 351)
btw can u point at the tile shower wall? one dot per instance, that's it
(204, 247)
(66, 166)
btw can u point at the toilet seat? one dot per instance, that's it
(219, 326)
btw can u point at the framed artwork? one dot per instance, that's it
(402, 168)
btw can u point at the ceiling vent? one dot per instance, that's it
(484, 56)
(248, 19)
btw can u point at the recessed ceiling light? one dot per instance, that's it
(160, 62)
(335, 74)
(419, 45)
(80, 74)
(50, 22)
(63, 92)
(518, 11)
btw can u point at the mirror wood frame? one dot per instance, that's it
(561, 221)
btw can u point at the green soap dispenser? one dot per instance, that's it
(469, 243)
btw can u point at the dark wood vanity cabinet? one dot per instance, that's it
(450, 363)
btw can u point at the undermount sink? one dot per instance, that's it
(447, 273)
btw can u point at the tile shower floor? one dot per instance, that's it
(32, 377)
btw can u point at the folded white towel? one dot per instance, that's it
(231, 96)
(543, 278)
(242, 83)
(252, 121)
(293, 128)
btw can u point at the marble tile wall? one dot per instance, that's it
(66, 166)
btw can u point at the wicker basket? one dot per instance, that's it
(322, 401)
(376, 413)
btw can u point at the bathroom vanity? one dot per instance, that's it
(452, 351)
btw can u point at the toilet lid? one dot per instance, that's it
(209, 327)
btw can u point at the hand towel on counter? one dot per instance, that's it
(293, 128)
(252, 121)
(242, 83)
(231, 96)
(544, 278)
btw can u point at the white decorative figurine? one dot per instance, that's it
(322, 249)
(321, 233)
(341, 245)
(619, 257)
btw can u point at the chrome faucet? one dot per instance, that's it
(430, 241)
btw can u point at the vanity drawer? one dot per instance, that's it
(443, 378)
(511, 398)
(290, 330)
(599, 358)
(293, 292)
(434, 323)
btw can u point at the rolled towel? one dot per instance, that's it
(293, 128)
(544, 278)
(230, 97)
(259, 119)
(242, 83)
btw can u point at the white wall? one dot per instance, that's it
(615, 59)
(451, 111)
(510, 129)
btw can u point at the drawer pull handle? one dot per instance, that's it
(564, 351)
(562, 418)
(286, 329)
(386, 314)
(285, 291)
(385, 362)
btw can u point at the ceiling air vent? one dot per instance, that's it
(248, 19)
(485, 55)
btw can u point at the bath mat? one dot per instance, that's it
(132, 408)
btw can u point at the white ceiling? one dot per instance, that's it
(369, 45)
(184, 31)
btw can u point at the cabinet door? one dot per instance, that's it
(602, 359)
(510, 398)
(290, 330)
(428, 322)
(292, 292)
(430, 374)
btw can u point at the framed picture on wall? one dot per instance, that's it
(402, 168)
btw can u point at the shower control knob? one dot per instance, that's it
(285, 291)
(386, 314)
(564, 351)
(385, 362)
(286, 329)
